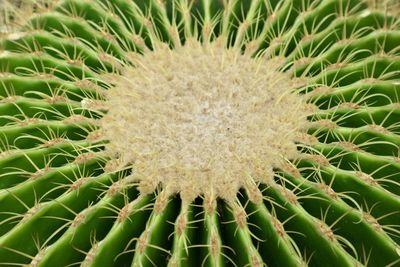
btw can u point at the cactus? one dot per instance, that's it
(199, 133)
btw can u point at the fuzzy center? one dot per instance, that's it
(203, 119)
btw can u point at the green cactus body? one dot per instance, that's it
(200, 133)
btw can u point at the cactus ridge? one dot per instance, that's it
(111, 149)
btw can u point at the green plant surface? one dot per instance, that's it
(199, 133)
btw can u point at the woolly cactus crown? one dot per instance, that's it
(200, 133)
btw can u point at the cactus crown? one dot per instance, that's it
(201, 120)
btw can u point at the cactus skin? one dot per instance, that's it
(65, 202)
